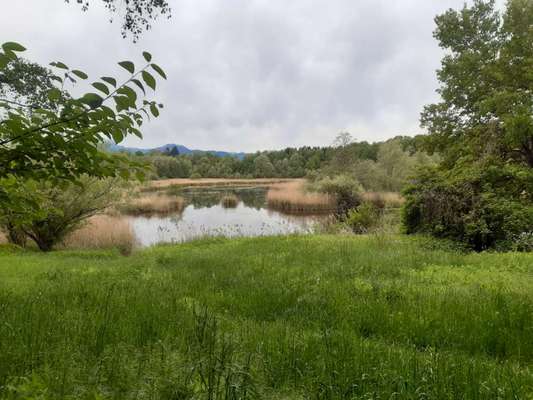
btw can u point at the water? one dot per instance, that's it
(204, 216)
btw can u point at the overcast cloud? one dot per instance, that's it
(248, 75)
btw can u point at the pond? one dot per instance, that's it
(205, 216)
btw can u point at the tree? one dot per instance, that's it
(137, 14)
(263, 168)
(482, 192)
(342, 159)
(56, 211)
(486, 84)
(28, 83)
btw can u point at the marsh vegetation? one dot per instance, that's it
(277, 317)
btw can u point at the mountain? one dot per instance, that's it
(168, 147)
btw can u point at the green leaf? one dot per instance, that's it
(117, 135)
(80, 74)
(101, 87)
(154, 110)
(54, 94)
(12, 46)
(111, 81)
(159, 70)
(58, 64)
(137, 133)
(4, 60)
(108, 112)
(146, 113)
(139, 84)
(56, 78)
(93, 100)
(147, 56)
(122, 102)
(128, 66)
(130, 93)
(149, 79)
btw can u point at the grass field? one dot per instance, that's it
(298, 317)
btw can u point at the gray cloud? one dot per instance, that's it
(258, 74)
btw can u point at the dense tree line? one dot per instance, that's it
(377, 166)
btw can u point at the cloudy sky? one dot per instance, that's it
(248, 75)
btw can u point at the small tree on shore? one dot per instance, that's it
(53, 212)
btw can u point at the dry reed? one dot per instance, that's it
(153, 204)
(3, 238)
(291, 198)
(185, 182)
(103, 231)
(384, 199)
(229, 201)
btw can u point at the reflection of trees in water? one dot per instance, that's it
(253, 198)
(202, 200)
(209, 197)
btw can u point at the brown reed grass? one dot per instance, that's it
(3, 238)
(153, 205)
(292, 198)
(229, 201)
(186, 182)
(384, 199)
(103, 231)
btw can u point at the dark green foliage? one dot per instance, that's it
(171, 167)
(482, 205)
(486, 84)
(346, 190)
(481, 194)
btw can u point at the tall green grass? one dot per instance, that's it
(312, 317)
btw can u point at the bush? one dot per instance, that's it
(345, 189)
(482, 205)
(362, 218)
(53, 211)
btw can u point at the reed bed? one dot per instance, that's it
(153, 205)
(229, 201)
(292, 198)
(3, 238)
(384, 199)
(101, 232)
(186, 182)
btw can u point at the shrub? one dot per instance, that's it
(346, 190)
(522, 242)
(484, 206)
(362, 218)
(53, 211)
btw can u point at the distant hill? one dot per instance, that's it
(168, 147)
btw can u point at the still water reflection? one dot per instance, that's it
(204, 216)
